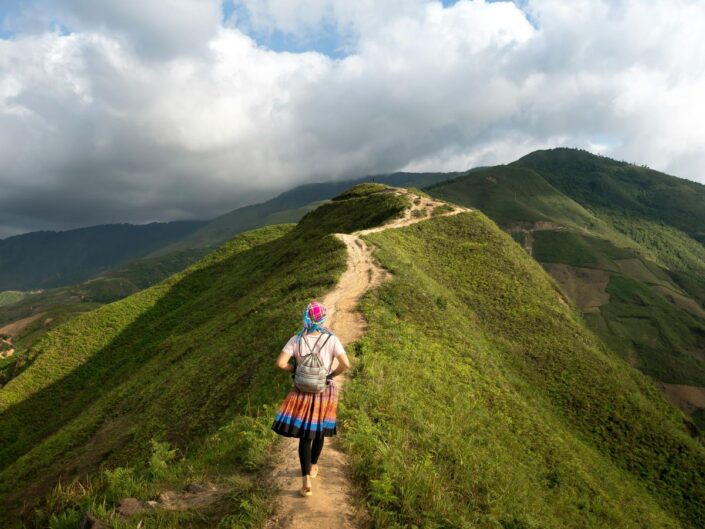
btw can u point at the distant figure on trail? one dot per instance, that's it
(309, 410)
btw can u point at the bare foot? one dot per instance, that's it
(314, 471)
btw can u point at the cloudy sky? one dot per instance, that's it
(141, 110)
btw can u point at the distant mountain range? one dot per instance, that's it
(46, 259)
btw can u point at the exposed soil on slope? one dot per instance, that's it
(541, 225)
(687, 398)
(16, 327)
(587, 287)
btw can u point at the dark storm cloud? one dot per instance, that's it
(141, 111)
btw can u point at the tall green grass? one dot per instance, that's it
(177, 363)
(480, 401)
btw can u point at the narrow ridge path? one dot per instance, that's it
(331, 506)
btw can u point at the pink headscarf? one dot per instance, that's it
(314, 316)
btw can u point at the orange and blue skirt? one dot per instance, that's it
(308, 415)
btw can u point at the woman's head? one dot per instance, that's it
(315, 312)
(314, 317)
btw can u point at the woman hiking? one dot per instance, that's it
(309, 410)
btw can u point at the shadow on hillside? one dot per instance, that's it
(199, 297)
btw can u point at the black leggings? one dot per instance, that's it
(309, 450)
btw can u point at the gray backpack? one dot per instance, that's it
(311, 374)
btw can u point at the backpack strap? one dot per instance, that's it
(331, 357)
(313, 351)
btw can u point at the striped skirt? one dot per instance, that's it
(308, 415)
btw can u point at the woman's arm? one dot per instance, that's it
(343, 365)
(283, 362)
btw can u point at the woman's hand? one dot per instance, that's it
(343, 365)
(283, 362)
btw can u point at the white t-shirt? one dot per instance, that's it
(332, 349)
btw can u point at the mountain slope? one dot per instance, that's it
(637, 280)
(59, 304)
(10, 296)
(514, 195)
(47, 259)
(481, 400)
(478, 399)
(176, 361)
(289, 206)
(600, 182)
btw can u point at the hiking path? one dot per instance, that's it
(332, 505)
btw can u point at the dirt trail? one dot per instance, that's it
(331, 505)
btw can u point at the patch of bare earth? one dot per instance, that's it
(194, 496)
(333, 504)
(587, 287)
(16, 327)
(541, 225)
(687, 398)
(7, 348)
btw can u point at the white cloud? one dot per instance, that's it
(157, 29)
(155, 110)
(305, 17)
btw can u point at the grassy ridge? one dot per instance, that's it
(290, 206)
(188, 361)
(479, 401)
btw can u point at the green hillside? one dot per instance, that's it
(10, 296)
(107, 287)
(478, 398)
(52, 307)
(174, 362)
(514, 195)
(481, 401)
(600, 182)
(46, 259)
(59, 304)
(637, 280)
